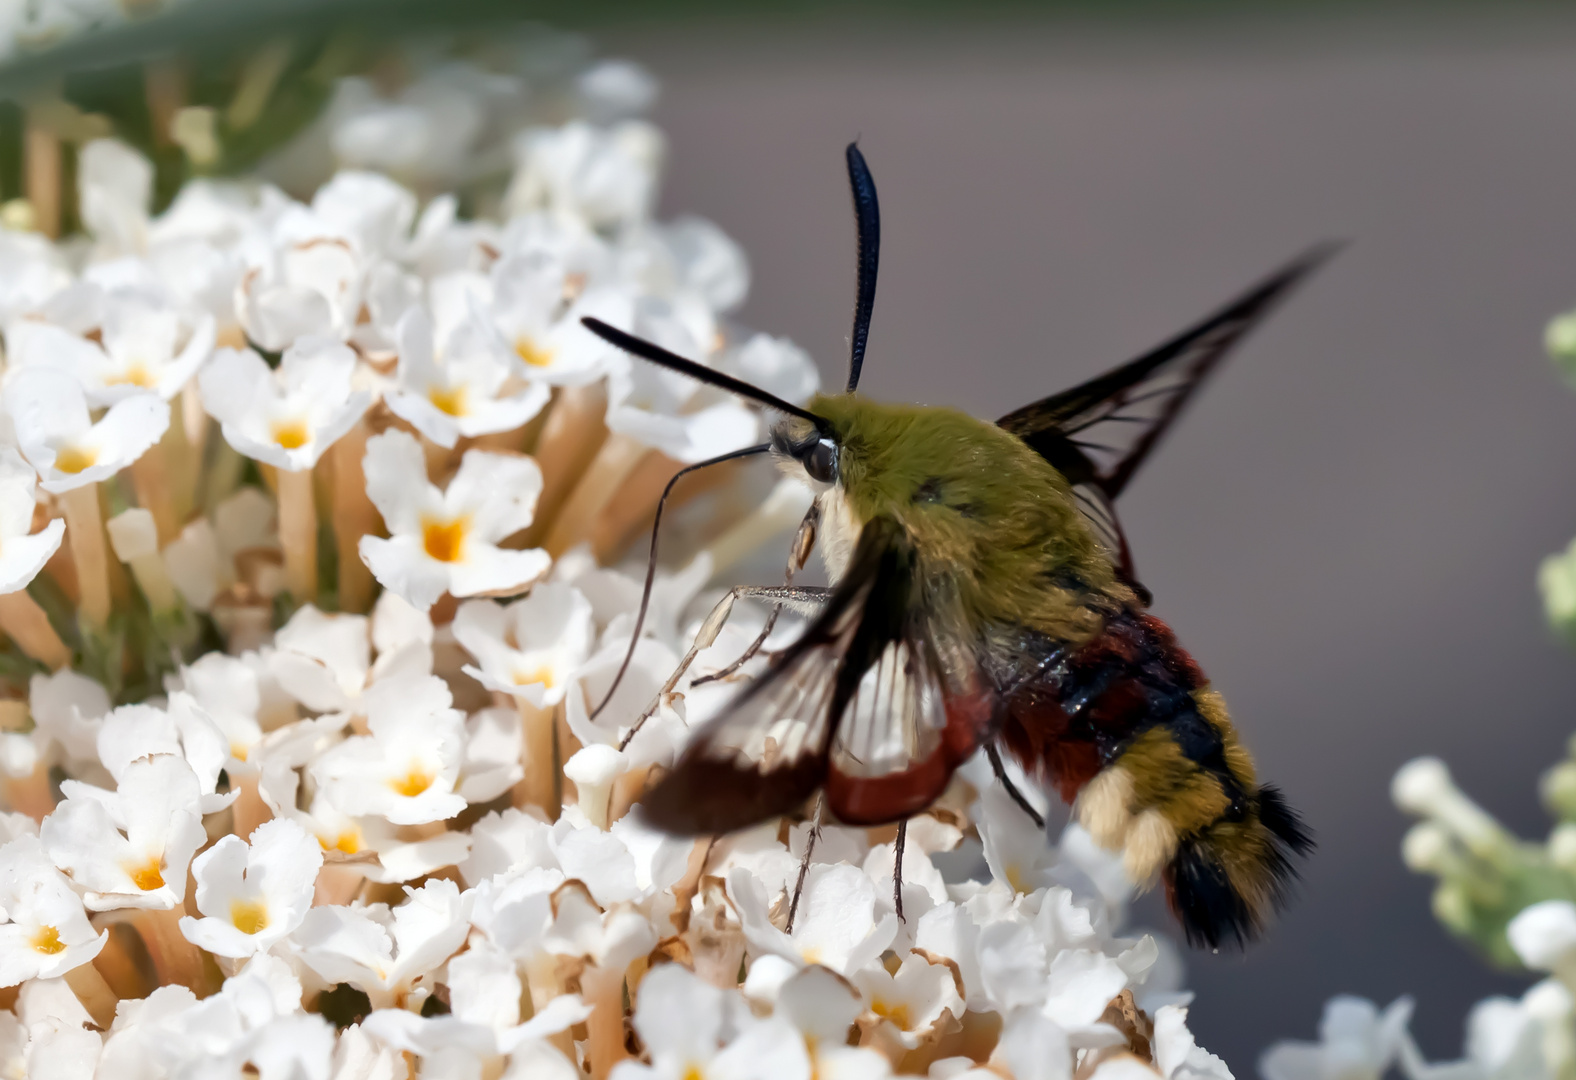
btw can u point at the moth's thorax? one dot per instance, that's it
(982, 509)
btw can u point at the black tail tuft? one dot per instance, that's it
(1283, 821)
(1225, 881)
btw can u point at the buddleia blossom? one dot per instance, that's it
(317, 559)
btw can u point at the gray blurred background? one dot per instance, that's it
(1345, 531)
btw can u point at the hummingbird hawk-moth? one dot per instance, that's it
(983, 596)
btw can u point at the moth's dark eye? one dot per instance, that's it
(820, 461)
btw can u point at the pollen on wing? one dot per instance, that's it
(249, 916)
(46, 939)
(444, 540)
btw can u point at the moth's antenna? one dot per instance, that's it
(867, 215)
(655, 353)
(651, 562)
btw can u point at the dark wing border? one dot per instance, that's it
(1052, 425)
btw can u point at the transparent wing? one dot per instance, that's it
(1113, 421)
(914, 715)
(1098, 433)
(766, 752)
(874, 701)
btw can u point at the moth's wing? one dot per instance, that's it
(864, 703)
(1099, 432)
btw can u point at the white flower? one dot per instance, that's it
(23, 552)
(132, 732)
(532, 648)
(45, 933)
(129, 848)
(115, 185)
(694, 1030)
(1356, 1042)
(529, 310)
(836, 925)
(447, 541)
(252, 896)
(60, 439)
(208, 557)
(1544, 935)
(607, 177)
(145, 347)
(322, 660)
(669, 411)
(68, 710)
(397, 860)
(1177, 1055)
(917, 1002)
(469, 390)
(290, 417)
(323, 263)
(406, 769)
(228, 692)
(384, 953)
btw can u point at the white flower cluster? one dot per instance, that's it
(297, 794)
(1512, 899)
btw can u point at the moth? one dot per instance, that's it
(984, 598)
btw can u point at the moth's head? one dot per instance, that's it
(801, 445)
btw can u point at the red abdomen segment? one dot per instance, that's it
(1129, 727)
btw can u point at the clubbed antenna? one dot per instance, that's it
(867, 215)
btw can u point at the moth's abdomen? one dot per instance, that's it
(1129, 727)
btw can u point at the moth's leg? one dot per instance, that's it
(1012, 789)
(798, 555)
(804, 863)
(897, 868)
(782, 595)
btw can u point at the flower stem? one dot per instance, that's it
(538, 786)
(43, 175)
(150, 478)
(249, 809)
(354, 516)
(175, 959)
(30, 794)
(604, 992)
(94, 993)
(24, 621)
(298, 533)
(572, 434)
(615, 460)
(90, 553)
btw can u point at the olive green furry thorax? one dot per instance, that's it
(987, 515)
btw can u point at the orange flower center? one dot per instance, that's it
(291, 434)
(543, 675)
(73, 459)
(532, 353)
(443, 540)
(898, 1013)
(448, 399)
(136, 374)
(249, 916)
(413, 783)
(47, 941)
(147, 876)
